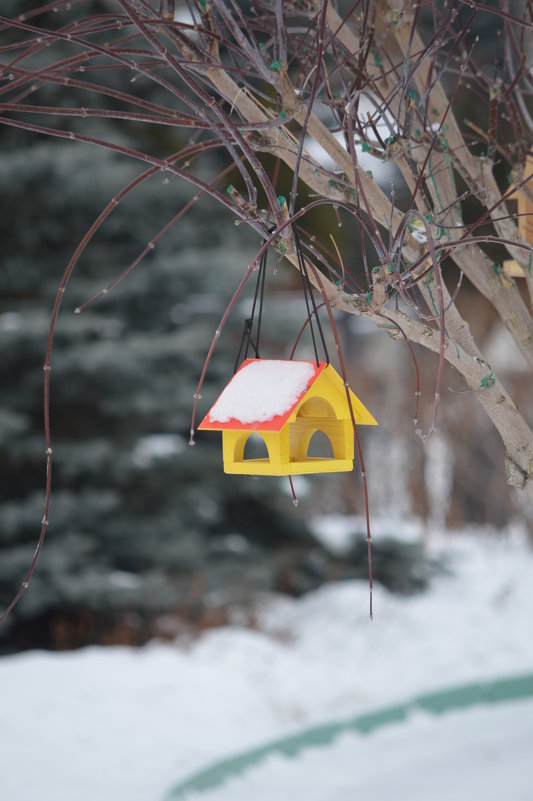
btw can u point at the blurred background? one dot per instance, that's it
(148, 538)
(147, 535)
(252, 612)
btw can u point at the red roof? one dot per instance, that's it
(277, 421)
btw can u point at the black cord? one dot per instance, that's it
(259, 288)
(249, 322)
(247, 340)
(305, 281)
(309, 291)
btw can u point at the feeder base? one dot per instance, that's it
(263, 467)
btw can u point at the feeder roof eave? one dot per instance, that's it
(276, 422)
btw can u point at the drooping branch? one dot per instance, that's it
(318, 91)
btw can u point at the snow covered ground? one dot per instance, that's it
(484, 754)
(118, 724)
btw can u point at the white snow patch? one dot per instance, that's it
(262, 390)
(480, 753)
(183, 15)
(338, 533)
(10, 321)
(502, 353)
(438, 478)
(124, 724)
(382, 171)
(301, 485)
(153, 447)
(124, 580)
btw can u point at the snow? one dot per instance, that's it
(502, 353)
(121, 724)
(262, 390)
(382, 171)
(11, 321)
(460, 757)
(337, 533)
(156, 447)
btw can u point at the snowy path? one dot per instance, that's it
(474, 754)
(119, 724)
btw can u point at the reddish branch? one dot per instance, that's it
(270, 79)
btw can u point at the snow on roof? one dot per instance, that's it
(262, 390)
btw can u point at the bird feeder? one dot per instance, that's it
(286, 403)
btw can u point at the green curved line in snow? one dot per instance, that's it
(436, 703)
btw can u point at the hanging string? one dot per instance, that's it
(260, 279)
(247, 340)
(308, 294)
(249, 322)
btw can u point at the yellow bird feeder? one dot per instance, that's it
(286, 403)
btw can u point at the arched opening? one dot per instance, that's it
(255, 448)
(320, 446)
(316, 407)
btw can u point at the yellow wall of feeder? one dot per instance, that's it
(525, 222)
(324, 407)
